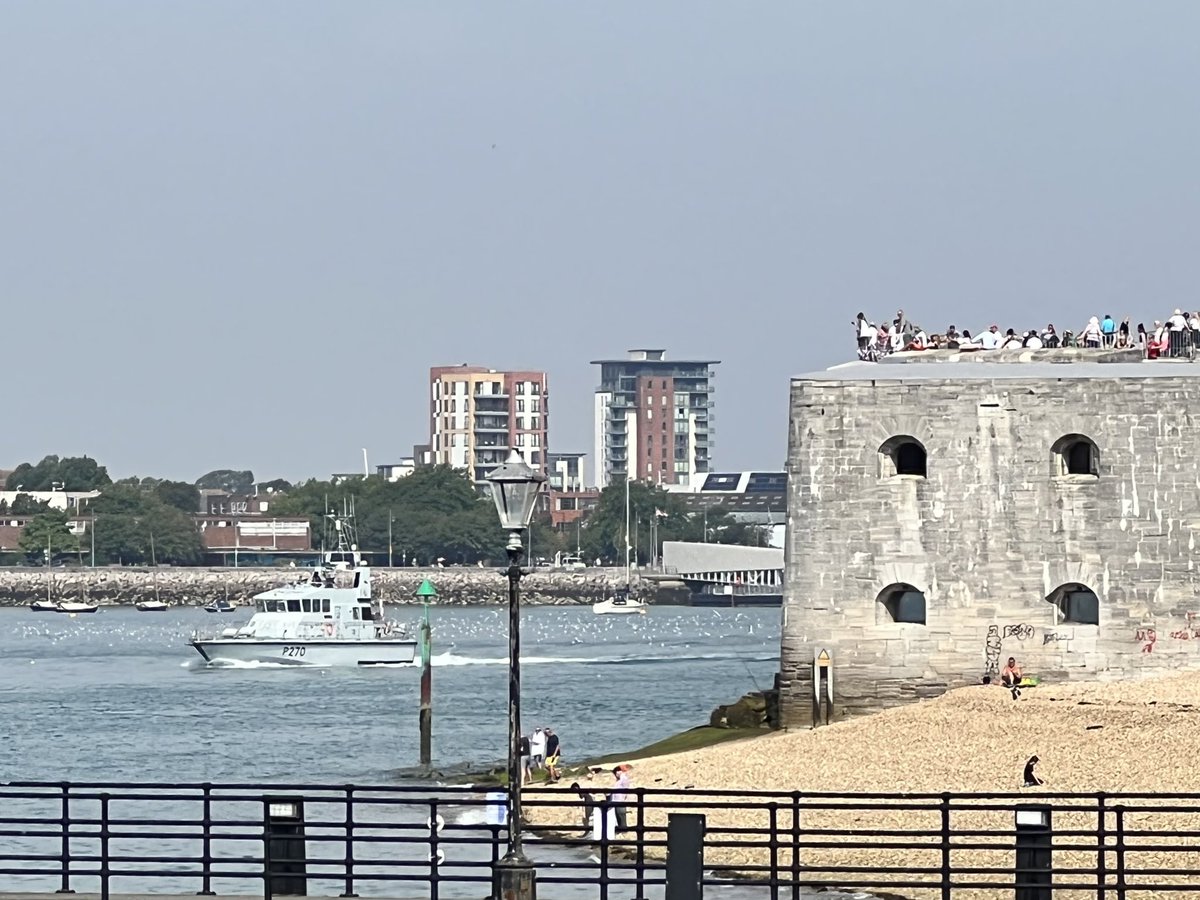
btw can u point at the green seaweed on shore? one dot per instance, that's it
(692, 739)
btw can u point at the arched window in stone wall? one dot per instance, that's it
(902, 455)
(900, 603)
(1077, 604)
(1076, 455)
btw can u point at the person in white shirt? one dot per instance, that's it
(1011, 341)
(1177, 322)
(990, 339)
(1032, 341)
(537, 748)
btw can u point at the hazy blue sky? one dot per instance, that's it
(238, 234)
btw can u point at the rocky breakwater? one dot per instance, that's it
(455, 586)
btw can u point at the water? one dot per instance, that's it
(119, 695)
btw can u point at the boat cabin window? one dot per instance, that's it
(357, 575)
(356, 612)
(325, 604)
(367, 613)
(294, 605)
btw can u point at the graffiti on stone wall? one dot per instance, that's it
(1057, 637)
(991, 652)
(1147, 637)
(1020, 631)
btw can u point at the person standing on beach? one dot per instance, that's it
(620, 794)
(553, 749)
(523, 752)
(537, 748)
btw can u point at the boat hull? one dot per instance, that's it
(321, 654)
(609, 609)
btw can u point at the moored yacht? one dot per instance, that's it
(328, 618)
(75, 606)
(620, 603)
(44, 606)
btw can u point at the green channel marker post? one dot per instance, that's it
(426, 592)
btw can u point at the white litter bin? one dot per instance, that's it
(605, 830)
(497, 808)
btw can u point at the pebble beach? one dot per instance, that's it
(1139, 737)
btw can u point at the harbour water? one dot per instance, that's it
(119, 695)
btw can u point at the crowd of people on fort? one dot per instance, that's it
(1176, 336)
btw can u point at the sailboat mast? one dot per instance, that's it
(49, 569)
(627, 575)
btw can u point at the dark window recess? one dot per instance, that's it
(903, 603)
(903, 455)
(1077, 604)
(1079, 459)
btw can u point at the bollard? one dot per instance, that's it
(685, 856)
(1034, 861)
(286, 862)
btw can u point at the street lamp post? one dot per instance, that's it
(515, 488)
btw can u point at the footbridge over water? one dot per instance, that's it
(724, 574)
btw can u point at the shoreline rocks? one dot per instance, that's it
(117, 586)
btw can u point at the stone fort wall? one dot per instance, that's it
(996, 526)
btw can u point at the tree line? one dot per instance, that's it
(435, 514)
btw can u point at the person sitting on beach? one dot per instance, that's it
(1010, 677)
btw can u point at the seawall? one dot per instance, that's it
(455, 586)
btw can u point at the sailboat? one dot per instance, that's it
(223, 605)
(622, 601)
(155, 605)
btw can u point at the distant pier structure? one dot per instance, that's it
(948, 510)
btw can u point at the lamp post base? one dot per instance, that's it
(513, 878)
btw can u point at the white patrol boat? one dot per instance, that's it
(326, 619)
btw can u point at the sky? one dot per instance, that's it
(237, 235)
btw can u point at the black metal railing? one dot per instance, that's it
(401, 842)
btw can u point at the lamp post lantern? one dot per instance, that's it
(515, 488)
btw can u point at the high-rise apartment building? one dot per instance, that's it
(477, 415)
(654, 418)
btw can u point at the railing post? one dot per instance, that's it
(266, 809)
(434, 850)
(104, 835)
(773, 818)
(945, 810)
(1120, 847)
(1101, 846)
(795, 845)
(348, 890)
(206, 843)
(604, 808)
(640, 832)
(65, 824)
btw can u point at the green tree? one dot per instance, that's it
(48, 529)
(73, 473)
(654, 511)
(232, 480)
(434, 513)
(179, 494)
(127, 516)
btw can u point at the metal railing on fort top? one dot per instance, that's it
(114, 838)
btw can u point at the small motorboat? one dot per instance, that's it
(620, 603)
(152, 606)
(44, 606)
(220, 606)
(74, 606)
